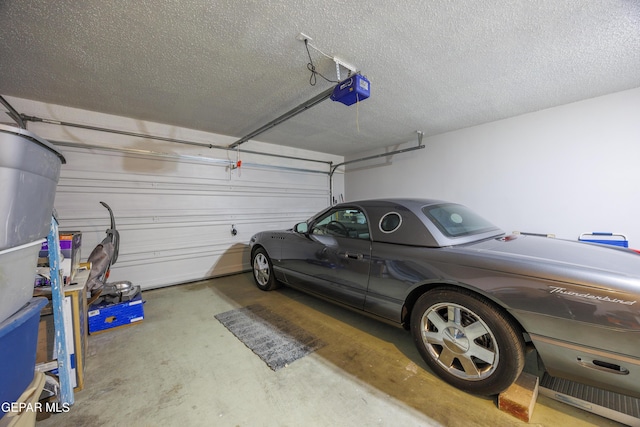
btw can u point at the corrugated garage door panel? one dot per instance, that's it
(175, 213)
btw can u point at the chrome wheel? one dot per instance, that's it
(467, 340)
(459, 341)
(261, 269)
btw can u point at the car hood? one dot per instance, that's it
(563, 260)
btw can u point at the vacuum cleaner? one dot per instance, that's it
(103, 256)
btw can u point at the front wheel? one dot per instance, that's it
(467, 341)
(263, 271)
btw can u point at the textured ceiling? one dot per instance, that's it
(231, 66)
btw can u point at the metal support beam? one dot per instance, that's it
(119, 132)
(404, 150)
(159, 138)
(13, 113)
(376, 156)
(286, 116)
(188, 157)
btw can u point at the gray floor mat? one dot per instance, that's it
(274, 339)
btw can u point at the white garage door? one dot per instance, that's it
(175, 212)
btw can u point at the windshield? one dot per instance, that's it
(456, 220)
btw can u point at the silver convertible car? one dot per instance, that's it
(474, 298)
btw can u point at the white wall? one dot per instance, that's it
(564, 170)
(175, 204)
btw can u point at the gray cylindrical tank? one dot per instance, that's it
(29, 173)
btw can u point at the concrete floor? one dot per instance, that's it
(181, 367)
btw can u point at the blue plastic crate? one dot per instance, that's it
(18, 345)
(105, 316)
(605, 238)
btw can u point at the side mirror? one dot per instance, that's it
(301, 227)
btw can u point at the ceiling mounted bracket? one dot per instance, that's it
(333, 167)
(377, 156)
(340, 63)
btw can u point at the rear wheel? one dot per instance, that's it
(263, 271)
(467, 341)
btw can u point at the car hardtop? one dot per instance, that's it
(416, 227)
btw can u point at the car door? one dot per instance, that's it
(332, 258)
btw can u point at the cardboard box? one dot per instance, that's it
(104, 316)
(46, 339)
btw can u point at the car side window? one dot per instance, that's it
(350, 223)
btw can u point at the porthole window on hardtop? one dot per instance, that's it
(390, 222)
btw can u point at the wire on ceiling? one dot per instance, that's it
(311, 67)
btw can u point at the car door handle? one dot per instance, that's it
(353, 256)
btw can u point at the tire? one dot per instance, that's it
(263, 271)
(479, 351)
